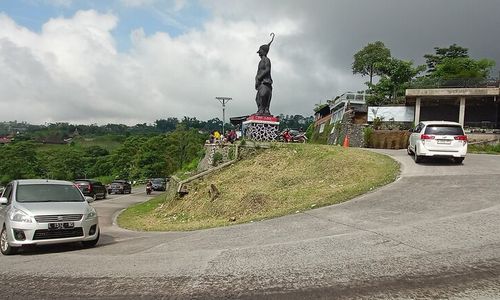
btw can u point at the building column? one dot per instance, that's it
(417, 111)
(461, 114)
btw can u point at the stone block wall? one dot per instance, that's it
(226, 150)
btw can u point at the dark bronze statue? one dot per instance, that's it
(263, 81)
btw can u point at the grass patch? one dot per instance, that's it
(272, 183)
(484, 148)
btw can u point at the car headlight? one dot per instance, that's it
(91, 213)
(17, 215)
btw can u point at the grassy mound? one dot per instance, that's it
(274, 182)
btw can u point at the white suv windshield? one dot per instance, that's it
(444, 130)
(48, 193)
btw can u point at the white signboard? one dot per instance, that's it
(391, 113)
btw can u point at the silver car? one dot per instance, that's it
(40, 212)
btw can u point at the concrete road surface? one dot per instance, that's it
(432, 234)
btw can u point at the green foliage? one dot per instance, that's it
(310, 131)
(454, 63)
(463, 67)
(231, 153)
(484, 148)
(395, 78)
(298, 122)
(367, 136)
(137, 157)
(217, 159)
(322, 138)
(368, 60)
(454, 51)
(17, 161)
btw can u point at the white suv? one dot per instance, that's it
(438, 139)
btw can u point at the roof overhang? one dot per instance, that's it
(453, 92)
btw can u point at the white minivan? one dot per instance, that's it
(438, 139)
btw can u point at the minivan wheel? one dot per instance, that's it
(92, 243)
(408, 150)
(4, 244)
(418, 158)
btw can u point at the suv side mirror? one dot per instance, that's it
(89, 199)
(3, 201)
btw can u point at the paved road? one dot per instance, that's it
(434, 233)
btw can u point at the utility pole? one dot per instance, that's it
(223, 101)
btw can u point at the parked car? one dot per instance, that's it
(40, 212)
(438, 139)
(159, 184)
(92, 188)
(119, 187)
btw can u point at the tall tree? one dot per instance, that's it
(463, 67)
(367, 59)
(454, 51)
(396, 75)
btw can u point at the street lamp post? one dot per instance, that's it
(223, 101)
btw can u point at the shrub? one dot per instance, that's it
(367, 136)
(217, 158)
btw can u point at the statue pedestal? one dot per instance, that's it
(261, 128)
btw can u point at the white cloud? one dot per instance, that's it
(72, 71)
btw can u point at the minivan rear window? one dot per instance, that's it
(444, 130)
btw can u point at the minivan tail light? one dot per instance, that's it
(461, 138)
(427, 137)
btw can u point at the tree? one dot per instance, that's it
(18, 161)
(166, 125)
(463, 67)
(454, 63)
(396, 75)
(184, 145)
(367, 59)
(454, 51)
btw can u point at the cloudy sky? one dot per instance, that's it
(135, 61)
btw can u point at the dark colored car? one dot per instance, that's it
(91, 188)
(120, 187)
(159, 184)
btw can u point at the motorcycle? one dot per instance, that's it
(292, 136)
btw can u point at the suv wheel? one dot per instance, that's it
(418, 158)
(408, 150)
(5, 248)
(458, 160)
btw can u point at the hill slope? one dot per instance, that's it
(271, 183)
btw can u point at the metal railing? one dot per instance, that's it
(454, 83)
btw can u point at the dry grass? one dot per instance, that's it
(274, 182)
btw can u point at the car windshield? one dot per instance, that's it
(444, 130)
(158, 181)
(48, 193)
